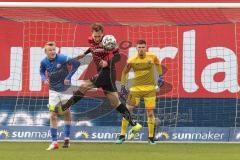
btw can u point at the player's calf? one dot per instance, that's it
(122, 109)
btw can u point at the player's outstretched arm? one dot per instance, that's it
(80, 56)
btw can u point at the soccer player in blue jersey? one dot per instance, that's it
(58, 78)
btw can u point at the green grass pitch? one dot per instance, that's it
(126, 151)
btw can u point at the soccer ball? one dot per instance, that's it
(109, 42)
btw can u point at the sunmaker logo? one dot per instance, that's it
(101, 135)
(82, 134)
(209, 136)
(33, 135)
(162, 136)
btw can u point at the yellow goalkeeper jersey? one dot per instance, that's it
(144, 69)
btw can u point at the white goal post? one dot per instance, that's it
(115, 5)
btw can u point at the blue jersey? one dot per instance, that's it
(57, 70)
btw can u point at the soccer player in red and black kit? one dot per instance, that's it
(105, 78)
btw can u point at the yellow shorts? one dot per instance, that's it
(148, 96)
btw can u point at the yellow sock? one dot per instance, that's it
(151, 122)
(124, 126)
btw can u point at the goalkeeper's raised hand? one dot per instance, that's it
(160, 81)
(124, 92)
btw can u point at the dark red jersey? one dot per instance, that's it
(99, 53)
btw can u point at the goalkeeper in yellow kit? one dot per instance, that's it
(143, 86)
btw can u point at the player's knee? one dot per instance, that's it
(150, 113)
(67, 120)
(67, 113)
(130, 107)
(131, 103)
(115, 104)
(67, 116)
(53, 116)
(84, 88)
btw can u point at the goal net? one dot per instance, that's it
(198, 49)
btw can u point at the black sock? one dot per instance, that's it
(121, 136)
(151, 138)
(126, 114)
(78, 95)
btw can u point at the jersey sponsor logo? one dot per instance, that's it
(99, 50)
(59, 65)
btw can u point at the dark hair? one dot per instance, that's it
(141, 41)
(97, 27)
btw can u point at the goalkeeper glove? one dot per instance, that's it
(124, 92)
(160, 81)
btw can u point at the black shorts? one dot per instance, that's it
(105, 79)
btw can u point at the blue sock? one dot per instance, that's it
(67, 130)
(54, 134)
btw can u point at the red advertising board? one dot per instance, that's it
(199, 60)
